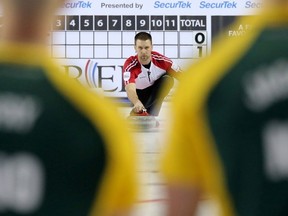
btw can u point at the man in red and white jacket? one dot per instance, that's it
(148, 76)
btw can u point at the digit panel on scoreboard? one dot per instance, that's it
(112, 36)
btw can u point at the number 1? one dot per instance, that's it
(200, 48)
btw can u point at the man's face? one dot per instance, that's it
(144, 49)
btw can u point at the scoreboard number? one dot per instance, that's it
(101, 23)
(171, 23)
(200, 39)
(156, 22)
(143, 23)
(87, 23)
(73, 23)
(200, 49)
(129, 23)
(115, 23)
(59, 23)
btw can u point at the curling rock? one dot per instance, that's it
(142, 122)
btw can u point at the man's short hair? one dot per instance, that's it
(143, 36)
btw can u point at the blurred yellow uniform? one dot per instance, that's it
(229, 132)
(63, 150)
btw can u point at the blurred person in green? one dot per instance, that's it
(63, 150)
(228, 139)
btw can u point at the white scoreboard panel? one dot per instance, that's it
(111, 36)
(92, 39)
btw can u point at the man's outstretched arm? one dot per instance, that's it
(133, 97)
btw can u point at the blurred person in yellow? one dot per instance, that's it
(63, 150)
(228, 139)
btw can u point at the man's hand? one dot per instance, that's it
(138, 107)
(133, 97)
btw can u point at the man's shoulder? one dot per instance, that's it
(131, 63)
(132, 58)
(161, 60)
(160, 57)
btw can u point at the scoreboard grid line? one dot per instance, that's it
(81, 36)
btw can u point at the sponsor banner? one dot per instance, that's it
(95, 74)
(142, 7)
(104, 74)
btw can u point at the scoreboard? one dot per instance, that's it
(93, 38)
(102, 37)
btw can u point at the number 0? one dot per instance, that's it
(199, 38)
